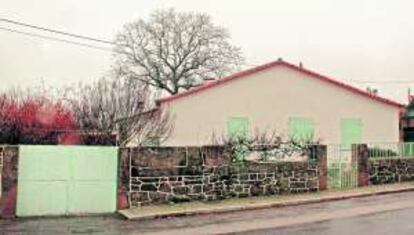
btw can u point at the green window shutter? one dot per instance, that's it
(238, 127)
(301, 129)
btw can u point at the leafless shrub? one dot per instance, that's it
(266, 146)
(115, 105)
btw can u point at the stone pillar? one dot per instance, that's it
(123, 178)
(320, 152)
(9, 173)
(360, 155)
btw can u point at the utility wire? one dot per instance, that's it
(383, 82)
(56, 39)
(112, 43)
(56, 31)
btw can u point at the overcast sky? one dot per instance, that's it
(351, 40)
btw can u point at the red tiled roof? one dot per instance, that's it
(247, 72)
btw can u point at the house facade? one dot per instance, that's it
(283, 98)
(407, 121)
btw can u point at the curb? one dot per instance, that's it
(230, 209)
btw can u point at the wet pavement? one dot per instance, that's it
(384, 214)
(393, 222)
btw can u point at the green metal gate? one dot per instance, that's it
(342, 170)
(59, 180)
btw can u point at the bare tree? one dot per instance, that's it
(119, 106)
(174, 51)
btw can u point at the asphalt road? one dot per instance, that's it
(386, 214)
(393, 222)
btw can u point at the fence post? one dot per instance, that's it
(360, 154)
(321, 157)
(8, 200)
(123, 178)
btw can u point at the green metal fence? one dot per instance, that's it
(390, 150)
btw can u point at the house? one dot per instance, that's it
(285, 98)
(407, 121)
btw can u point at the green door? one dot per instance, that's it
(351, 132)
(59, 180)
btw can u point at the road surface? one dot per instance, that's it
(386, 214)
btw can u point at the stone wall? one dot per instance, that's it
(375, 171)
(258, 179)
(387, 171)
(180, 174)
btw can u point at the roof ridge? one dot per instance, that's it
(279, 62)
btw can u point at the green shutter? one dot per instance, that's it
(238, 127)
(301, 129)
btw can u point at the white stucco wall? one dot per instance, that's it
(269, 98)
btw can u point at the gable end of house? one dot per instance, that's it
(279, 63)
